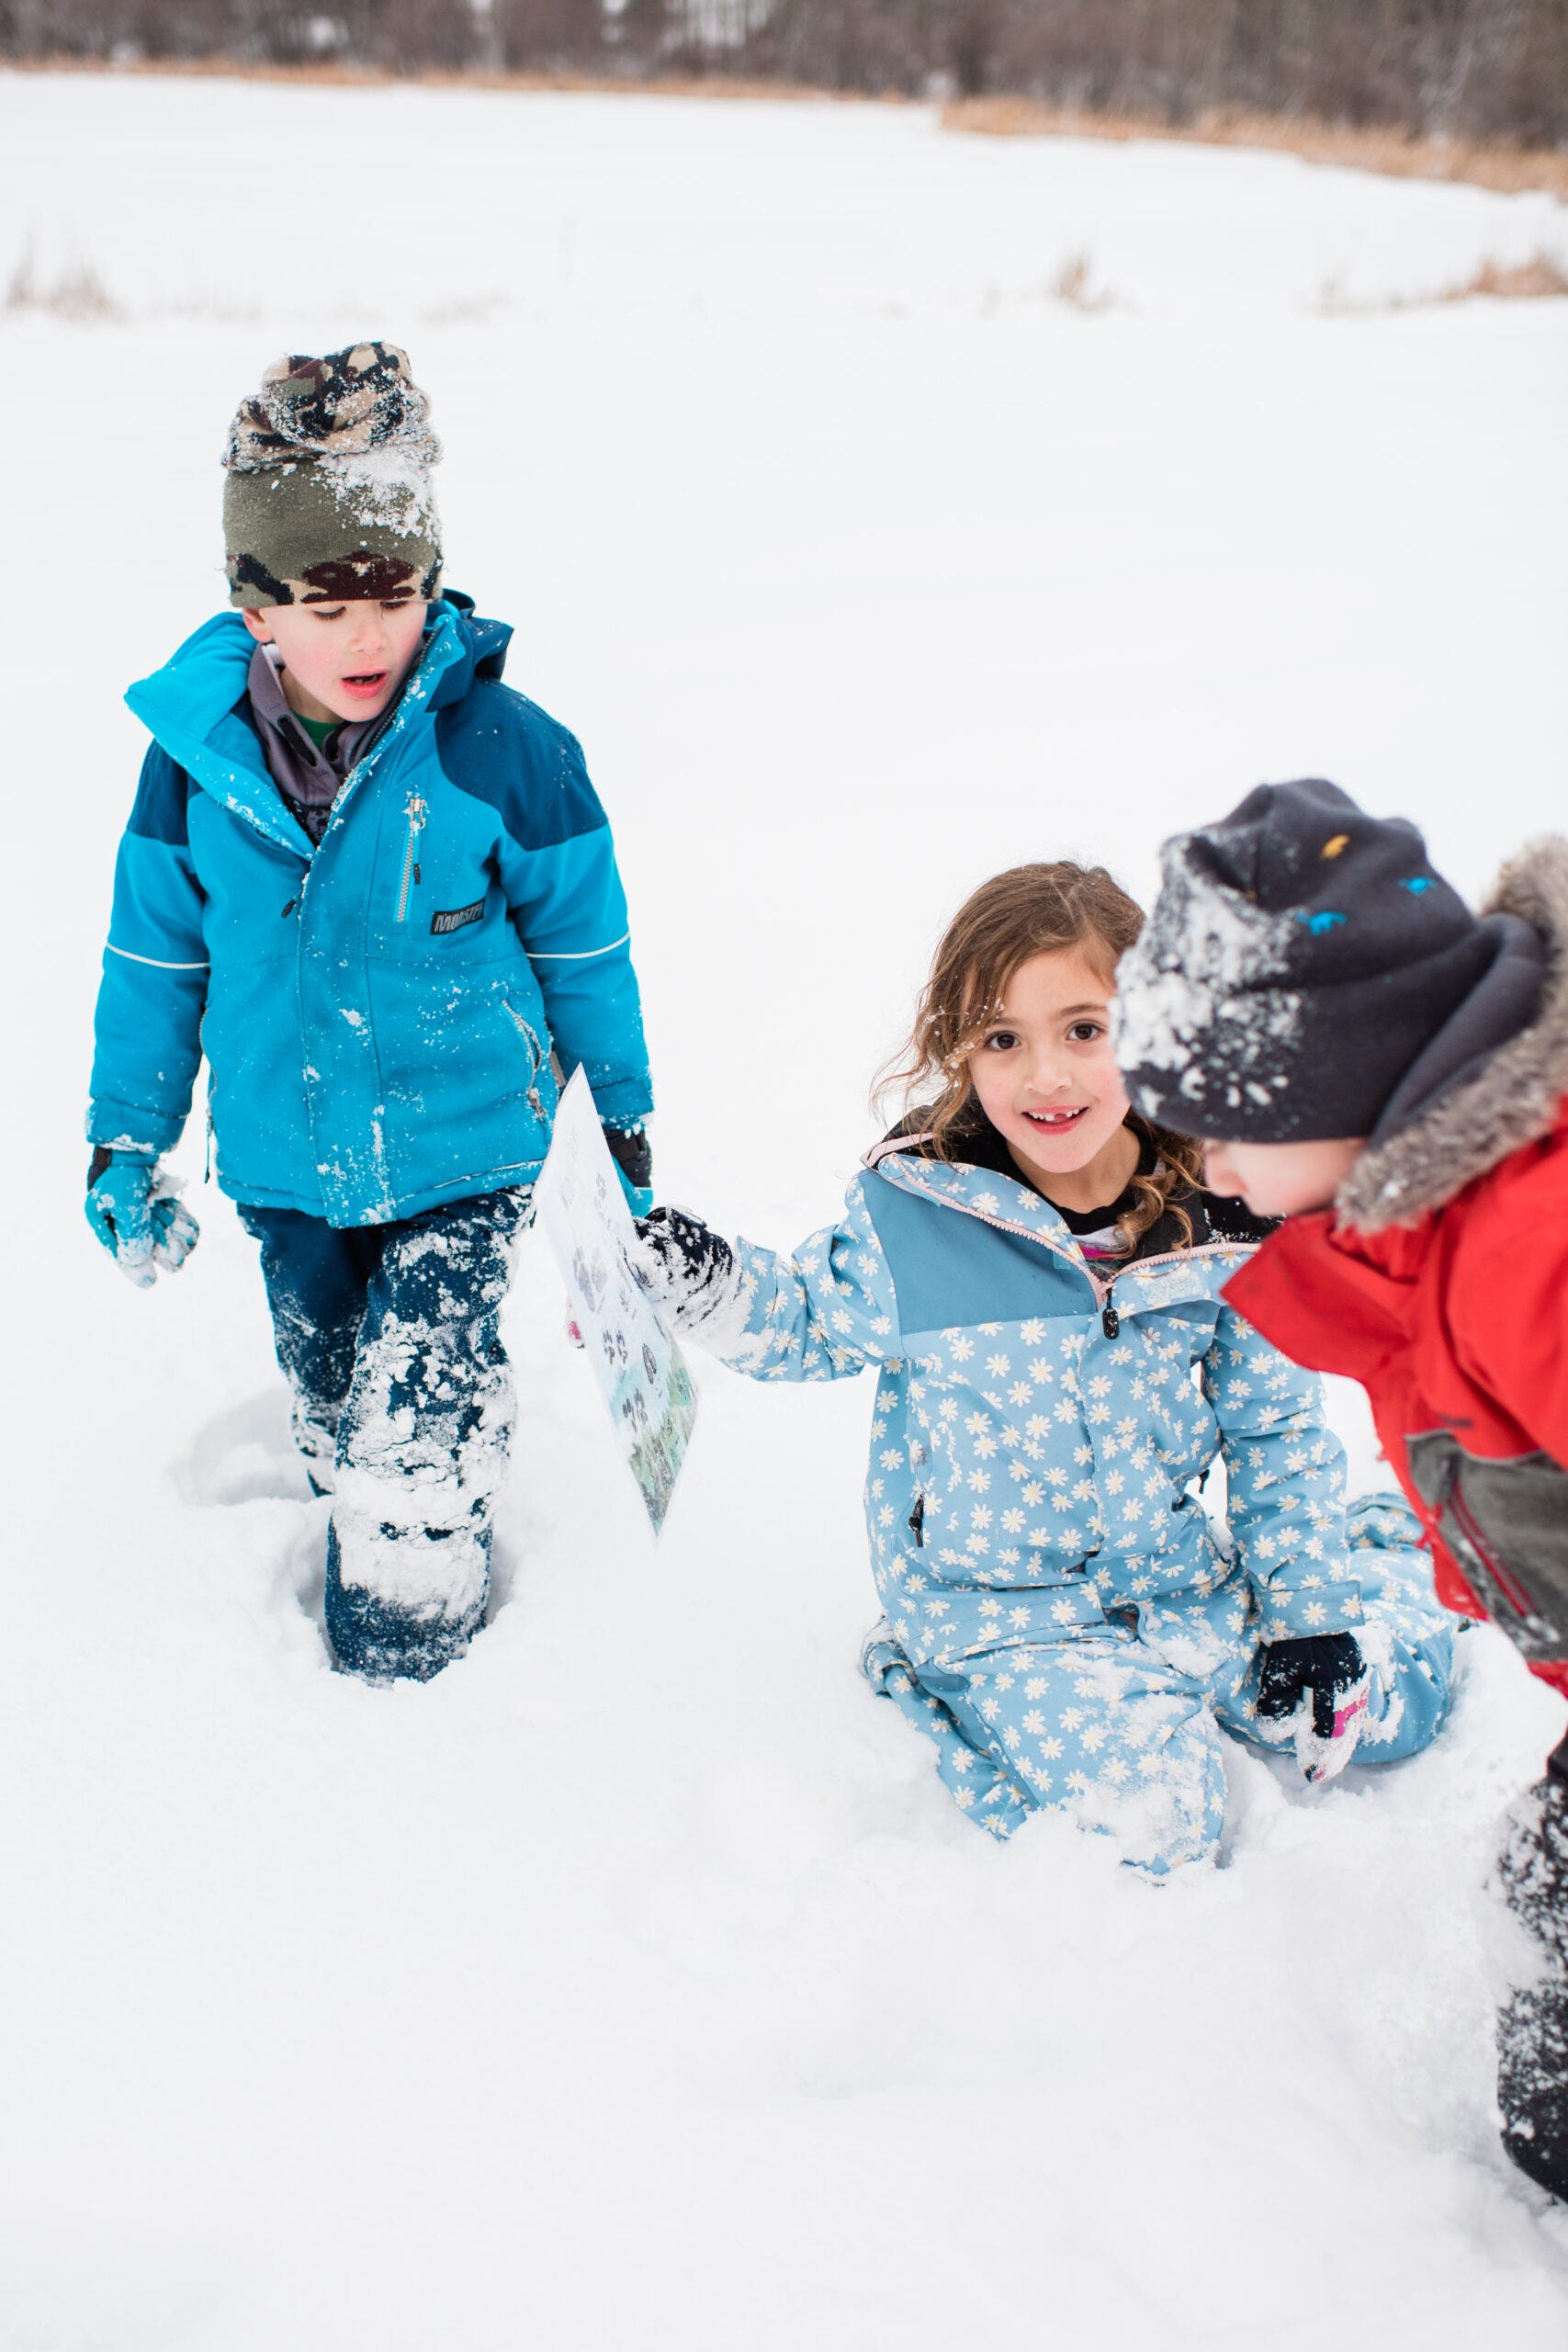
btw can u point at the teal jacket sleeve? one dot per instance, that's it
(1285, 1480)
(823, 1314)
(147, 1029)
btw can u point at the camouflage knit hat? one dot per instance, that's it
(328, 495)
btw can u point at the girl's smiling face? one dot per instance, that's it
(1043, 1074)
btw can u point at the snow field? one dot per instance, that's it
(635, 1983)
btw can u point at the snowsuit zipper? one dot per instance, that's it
(417, 812)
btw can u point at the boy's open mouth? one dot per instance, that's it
(1056, 1120)
(369, 682)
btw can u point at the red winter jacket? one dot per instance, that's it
(1455, 1318)
(1457, 1330)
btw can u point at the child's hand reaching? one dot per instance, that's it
(1319, 1686)
(133, 1208)
(691, 1271)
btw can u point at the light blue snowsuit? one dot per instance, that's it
(1063, 1617)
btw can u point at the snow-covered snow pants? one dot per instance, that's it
(1532, 2026)
(389, 1337)
(1121, 1726)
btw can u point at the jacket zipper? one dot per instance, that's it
(417, 812)
(536, 1058)
(1502, 1576)
(1110, 1320)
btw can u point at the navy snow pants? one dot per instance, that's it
(389, 1337)
(1532, 2027)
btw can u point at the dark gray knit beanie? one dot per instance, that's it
(1303, 964)
(328, 497)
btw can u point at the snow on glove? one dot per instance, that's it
(135, 1210)
(1319, 1687)
(691, 1271)
(633, 1155)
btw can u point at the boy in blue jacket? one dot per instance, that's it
(375, 886)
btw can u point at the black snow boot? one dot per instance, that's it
(1532, 2027)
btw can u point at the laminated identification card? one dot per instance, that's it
(641, 1373)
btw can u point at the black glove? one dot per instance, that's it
(1328, 1669)
(633, 1155)
(686, 1266)
(1322, 1664)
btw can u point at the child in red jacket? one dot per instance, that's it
(1388, 1072)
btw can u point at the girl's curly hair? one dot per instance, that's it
(1030, 911)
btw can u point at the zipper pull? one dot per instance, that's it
(288, 910)
(415, 809)
(1109, 1321)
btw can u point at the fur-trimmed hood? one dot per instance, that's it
(1513, 1100)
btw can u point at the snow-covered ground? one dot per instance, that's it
(636, 1985)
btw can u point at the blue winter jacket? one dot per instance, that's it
(378, 1016)
(1040, 1429)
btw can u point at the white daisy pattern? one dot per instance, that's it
(1063, 1616)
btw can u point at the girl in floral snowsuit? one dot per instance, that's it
(1039, 1279)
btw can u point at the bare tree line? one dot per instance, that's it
(1446, 68)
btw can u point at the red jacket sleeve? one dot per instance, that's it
(1508, 1294)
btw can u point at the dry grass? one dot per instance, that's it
(1396, 154)
(76, 294)
(1541, 278)
(1074, 284)
(327, 74)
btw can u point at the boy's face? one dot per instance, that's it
(342, 661)
(1282, 1179)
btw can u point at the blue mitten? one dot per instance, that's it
(633, 1155)
(137, 1215)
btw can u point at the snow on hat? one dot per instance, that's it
(328, 496)
(1300, 960)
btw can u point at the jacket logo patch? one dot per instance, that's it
(457, 918)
